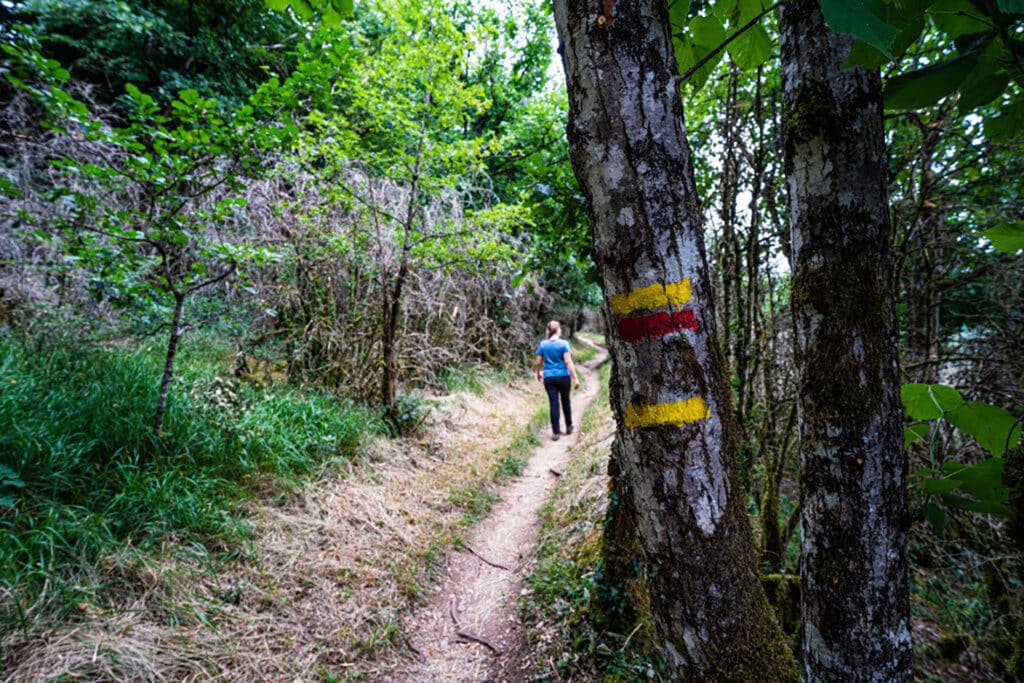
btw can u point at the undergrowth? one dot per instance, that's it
(75, 430)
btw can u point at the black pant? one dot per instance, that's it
(559, 386)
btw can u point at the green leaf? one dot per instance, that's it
(989, 425)
(749, 9)
(983, 480)
(1008, 125)
(707, 32)
(703, 35)
(725, 9)
(939, 485)
(862, 18)
(929, 401)
(1011, 6)
(1007, 237)
(862, 54)
(678, 10)
(988, 507)
(914, 433)
(303, 10)
(958, 18)
(924, 87)
(752, 49)
(934, 515)
(978, 90)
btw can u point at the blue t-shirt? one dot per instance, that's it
(552, 350)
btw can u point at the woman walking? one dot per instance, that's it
(554, 368)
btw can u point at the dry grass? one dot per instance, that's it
(332, 570)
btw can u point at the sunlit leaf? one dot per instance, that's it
(678, 10)
(752, 49)
(1007, 237)
(929, 401)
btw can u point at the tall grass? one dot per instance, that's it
(75, 429)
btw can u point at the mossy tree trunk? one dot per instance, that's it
(670, 395)
(852, 465)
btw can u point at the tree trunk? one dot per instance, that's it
(670, 396)
(172, 351)
(389, 363)
(853, 469)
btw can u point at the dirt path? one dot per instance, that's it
(470, 620)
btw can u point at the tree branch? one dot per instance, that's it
(714, 53)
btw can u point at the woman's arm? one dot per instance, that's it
(538, 365)
(567, 357)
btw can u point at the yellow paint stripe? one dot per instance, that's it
(679, 413)
(653, 296)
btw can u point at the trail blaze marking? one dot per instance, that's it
(657, 325)
(653, 296)
(677, 414)
(652, 324)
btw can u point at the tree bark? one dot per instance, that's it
(853, 470)
(670, 396)
(172, 352)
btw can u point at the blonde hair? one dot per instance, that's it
(554, 328)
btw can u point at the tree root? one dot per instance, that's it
(467, 635)
(486, 561)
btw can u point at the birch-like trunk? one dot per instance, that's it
(670, 395)
(852, 465)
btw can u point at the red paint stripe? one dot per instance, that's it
(657, 325)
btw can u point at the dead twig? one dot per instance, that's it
(486, 561)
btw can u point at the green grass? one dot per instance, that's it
(581, 352)
(473, 378)
(592, 416)
(75, 429)
(475, 499)
(462, 378)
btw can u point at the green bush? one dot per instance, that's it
(409, 415)
(89, 474)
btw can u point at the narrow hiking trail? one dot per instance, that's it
(469, 624)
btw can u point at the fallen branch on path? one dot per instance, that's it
(466, 635)
(486, 561)
(408, 644)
